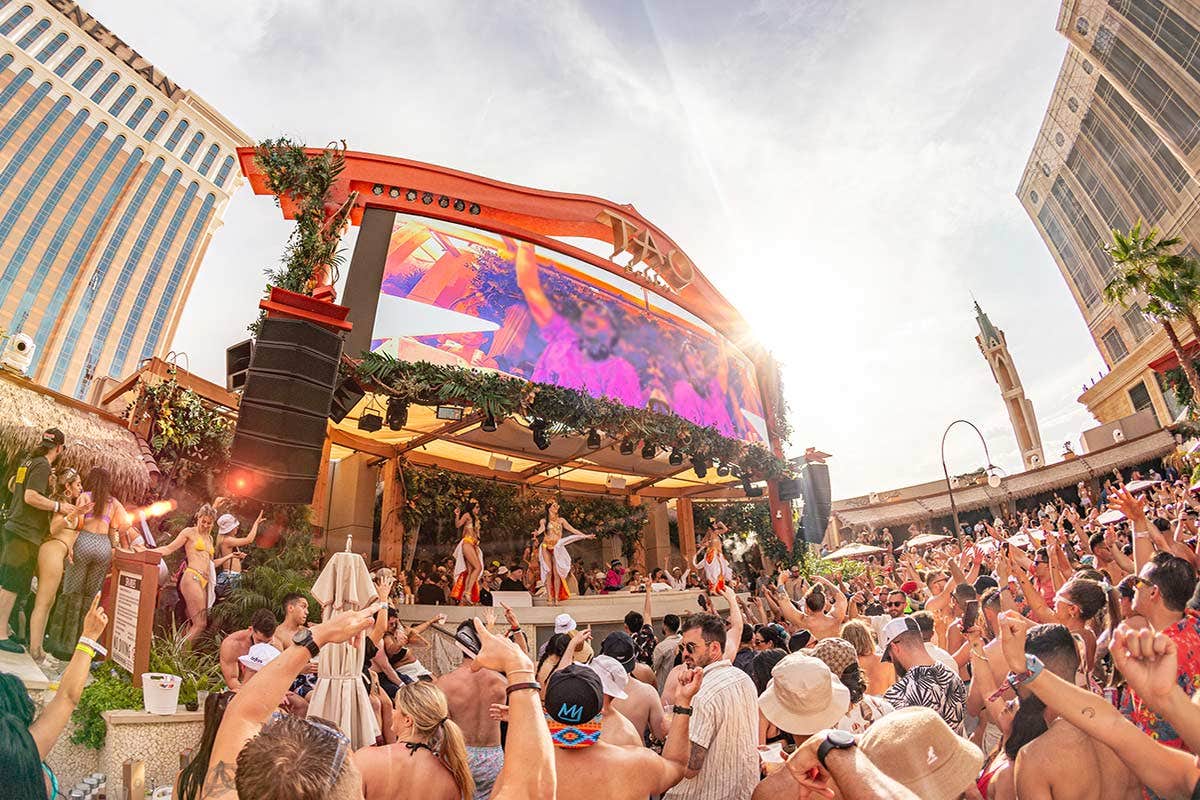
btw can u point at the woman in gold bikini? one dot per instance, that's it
(468, 557)
(199, 568)
(553, 556)
(52, 557)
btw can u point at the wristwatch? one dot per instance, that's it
(304, 638)
(684, 710)
(835, 740)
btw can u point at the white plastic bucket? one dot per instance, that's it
(160, 692)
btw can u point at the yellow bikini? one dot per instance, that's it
(201, 547)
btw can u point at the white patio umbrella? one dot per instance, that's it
(1109, 517)
(855, 550)
(926, 539)
(340, 696)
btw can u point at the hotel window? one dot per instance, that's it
(209, 157)
(192, 147)
(33, 34)
(1061, 243)
(139, 113)
(176, 135)
(88, 73)
(1139, 396)
(1171, 32)
(119, 104)
(1135, 318)
(159, 120)
(1115, 345)
(70, 61)
(1078, 219)
(1095, 189)
(52, 47)
(105, 87)
(18, 16)
(1162, 103)
(1160, 153)
(223, 172)
(1123, 164)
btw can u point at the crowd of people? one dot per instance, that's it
(1045, 655)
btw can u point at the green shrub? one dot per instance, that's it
(111, 689)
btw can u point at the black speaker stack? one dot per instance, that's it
(813, 487)
(288, 387)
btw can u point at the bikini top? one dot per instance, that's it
(107, 516)
(202, 545)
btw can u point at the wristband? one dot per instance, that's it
(57, 505)
(684, 710)
(83, 648)
(516, 687)
(92, 643)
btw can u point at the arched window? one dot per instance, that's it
(176, 135)
(33, 34)
(88, 73)
(18, 16)
(52, 47)
(209, 157)
(192, 147)
(105, 87)
(123, 100)
(223, 172)
(159, 120)
(139, 113)
(69, 62)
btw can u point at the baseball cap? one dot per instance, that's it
(619, 646)
(227, 523)
(259, 656)
(52, 437)
(563, 623)
(613, 676)
(896, 627)
(574, 695)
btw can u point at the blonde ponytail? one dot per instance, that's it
(426, 705)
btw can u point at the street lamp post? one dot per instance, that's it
(993, 478)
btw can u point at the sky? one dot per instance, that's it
(844, 172)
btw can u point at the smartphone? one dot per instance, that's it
(464, 636)
(970, 615)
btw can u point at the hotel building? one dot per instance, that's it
(1120, 142)
(112, 181)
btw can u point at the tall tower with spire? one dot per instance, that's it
(1020, 411)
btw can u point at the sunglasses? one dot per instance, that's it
(1138, 580)
(327, 731)
(899, 604)
(691, 647)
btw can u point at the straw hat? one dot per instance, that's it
(916, 747)
(803, 696)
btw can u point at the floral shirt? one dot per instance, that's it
(932, 686)
(1186, 635)
(864, 714)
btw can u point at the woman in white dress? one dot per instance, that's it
(553, 556)
(711, 559)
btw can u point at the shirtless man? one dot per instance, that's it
(641, 705)
(820, 623)
(601, 769)
(1064, 763)
(261, 630)
(615, 728)
(470, 694)
(295, 617)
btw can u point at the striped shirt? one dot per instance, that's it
(725, 721)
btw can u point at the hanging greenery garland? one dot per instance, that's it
(568, 412)
(187, 438)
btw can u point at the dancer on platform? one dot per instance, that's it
(553, 556)
(52, 556)
(198, 576)
(712, 560)
(468, 556)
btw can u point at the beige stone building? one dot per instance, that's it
(1118, 143)
(112, 181)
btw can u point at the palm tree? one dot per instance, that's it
(1170, 282)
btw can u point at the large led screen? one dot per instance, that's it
(458, 295)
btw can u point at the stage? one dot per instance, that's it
(605, 613)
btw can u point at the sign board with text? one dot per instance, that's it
(130, 603)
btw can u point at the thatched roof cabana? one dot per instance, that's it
(95, 438)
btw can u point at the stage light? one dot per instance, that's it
(626, 448)
(593, 440)
(489, 423)
(444, 201)
(459, 205)
(751, 491)
(370, 422)
(735, 471)
(648, 450)
(450, 413)
(700, 465)
(722, 470)
(475, 209)
(397, 413)
(410, 195)
(676, 458)
(377, 189)
(427, 198)
(541, 437)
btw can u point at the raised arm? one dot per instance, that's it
(242, 541)
(733, 636)
(663, 773)
(176, 543)
(1131, 507)
(46, 729)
